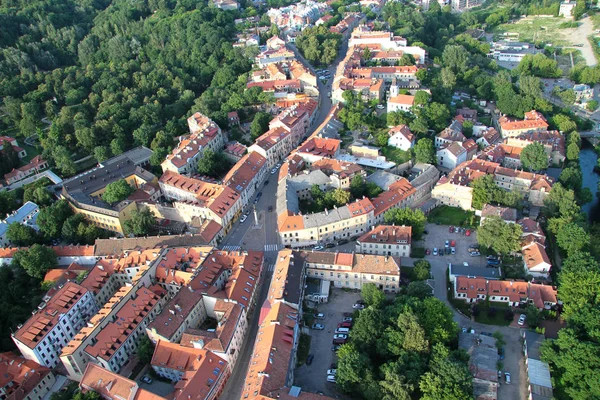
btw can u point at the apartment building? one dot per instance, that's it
(13, 142)
(450, 155)
(351, 271)
(316, 148)
(386, 240)
(204, 134)
(340, 173)
(36, 165)
(364, 36)
(454, 189)
(270, 56)
(246, 176)
(84, 191)
(273, 145)
(534, 121)
(23, 379)
(513, 293)
(25, 215)
(539, 380)
(113, 334)
(196, 198)
(553, 142)
(55, 322)
(111, 386)
(196, 371)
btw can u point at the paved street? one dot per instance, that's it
(245, 236)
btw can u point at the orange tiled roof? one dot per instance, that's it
(405, 99)
(108, 384)
(19, 377)
(388, 234)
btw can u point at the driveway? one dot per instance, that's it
(579, 36)
(313, 378)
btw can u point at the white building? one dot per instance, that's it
(401, 137)
(25, 215)
(401, 102)
(451, 155)
(55, 322)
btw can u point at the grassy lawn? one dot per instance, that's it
(395, 155)
(545, 30)
(32, 151)
(303, 349)
(564, 59)
(446, 215)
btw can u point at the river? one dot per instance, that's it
(587, 161)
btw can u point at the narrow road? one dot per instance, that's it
(267, 238)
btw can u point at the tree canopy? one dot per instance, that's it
(502, 237)
(409, 217)
(36, 260)
(424, 151)
(140, 223)
(213, 164)
(117, 191)
(534, 157)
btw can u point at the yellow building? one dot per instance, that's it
(84, 192)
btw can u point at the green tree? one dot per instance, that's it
(36, 260)
(438, 321)
(412, 333)
(485, 191)
(561, 202)
(502, 237)
(572, 238)
(534, 316)
(8, 203)
(213, 164)
(260, 124)
(572, 152)
(372, 295)
(563, 123)
(408, 217)
(351, 369)
(571, 178)
(51, 219)
(145, 350)
(357, 187)
(21, 235)
(140, 222)
(419, 289)
(421, 270)
(424, 151)
(450, 380)
(117, 191)
(534, 157)
(591, 105)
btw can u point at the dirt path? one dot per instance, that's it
(580, 35)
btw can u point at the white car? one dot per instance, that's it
(358, 306)
(380, 106)
(243, 218)
(331, 378)
(521, 319)
(331, 371)
(341, 336)
(273, 171)
(318, 248)
(465, 264)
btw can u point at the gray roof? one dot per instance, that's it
(287, 199)
(306, 180)
(20, 216)
(139, 155)
(483, 272)
(422, 173)
(538, 373)
(533, 341)
(107, 247)
(484, 355)
(383, 179)
(328, 217)
(331, 129)
(294, 280)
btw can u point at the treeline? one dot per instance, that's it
(131, 76)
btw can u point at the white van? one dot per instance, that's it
(342, 330)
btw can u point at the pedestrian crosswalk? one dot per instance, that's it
(232, 248)
(270, 267)
(272, 247)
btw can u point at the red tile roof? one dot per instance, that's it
(19, 377)
(108, 384)
(388, 234)
(244, 171)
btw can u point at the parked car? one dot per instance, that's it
(318, 327)
(270, 208)
(501, 353)
(489, 258)
(342, 241)
(435, 251)
(453, 243)
(342, 336)
(451, 229)
(329, 245)
(318, 248)
(474, 253)
(447, 250)
(427, 252)
(309, 359)
(331, 371)
(499, 375)
(243, 218)
(258, 196)
(347, 319)
(331, 378)
(507, 377)
(273, 171)
(339, 341)
(465, 264)
(456, 229)
(345, 325)
(447, 244)
(147, 379)
(493, 262)
(522, 319)
(453, 250)
(319, 315)
(468, 232)
(358, 306)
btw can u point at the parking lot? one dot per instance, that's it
(436, 238)
(313, 377)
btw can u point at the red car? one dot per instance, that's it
(451, 229)
(427, 251)
(468, 232)
(453, 243)
(345, 325)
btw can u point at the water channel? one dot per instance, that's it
(587, 161)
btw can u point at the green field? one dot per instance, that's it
(446, 215)
(534, 30)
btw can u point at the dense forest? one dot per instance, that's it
(112, 75)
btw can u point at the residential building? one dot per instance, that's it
(513, 293)
(352, 271)
(54, 323)
(196, 372)
(451, 155)
(539, 381)
(36, 165)
(553, 142)
(270, 56)
(451, 134)
(467, 114)
(13, 142)
(273, 145)
(193, 198)
(23, 379)
(364, 36)
(506, 214)
(113, 334)
(299, 72)
(111, 386)
(460, 270)
(275, 42)
(423, 178)
(340, 173)
(226, 4)
(534, 122)
(316, 148)
(386, 240)
(401, 137)
(25, 215)
(566, 8)
(84, 191)
(488, 137)
(246, 176)
(366, 89)
(509, 51)
(204, 134)
(535, 260)
(299, 15)
(234, 151)
(303, 182)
